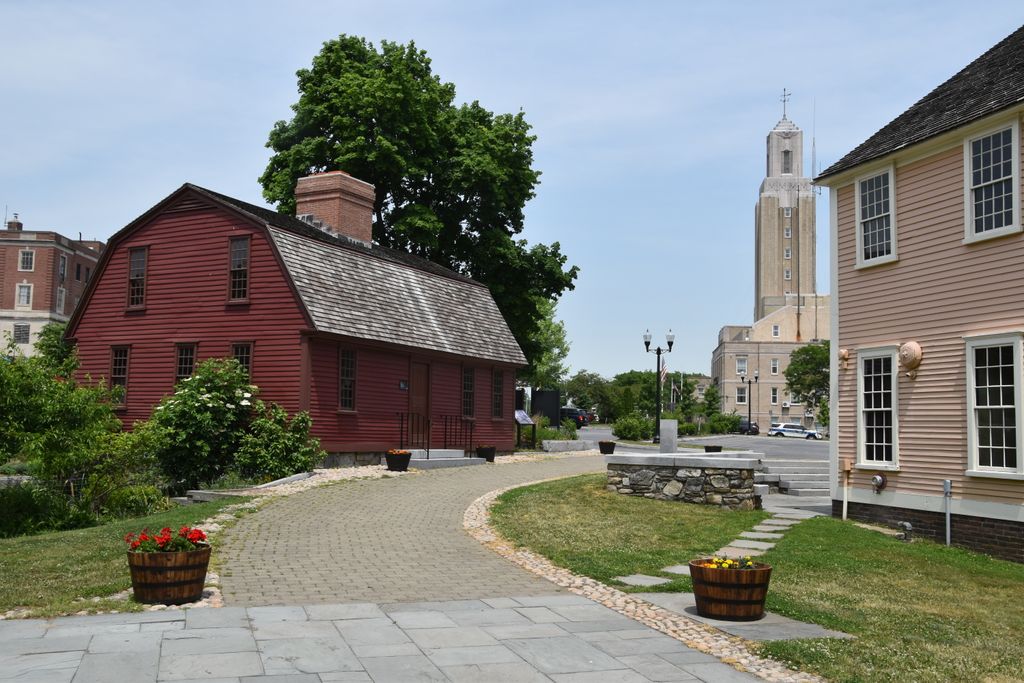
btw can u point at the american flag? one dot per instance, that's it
(664, 371)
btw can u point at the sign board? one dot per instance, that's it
(522, 418)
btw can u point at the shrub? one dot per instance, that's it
(687, 429)
(30, 508)
(136, 500)
(724, 424)
(276, 447)
(569, 429)
(203, 422)
(633, 427)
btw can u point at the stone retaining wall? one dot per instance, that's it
(723, 481)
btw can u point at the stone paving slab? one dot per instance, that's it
(761, 535)
(681, 569)
(642, 580)
(770, 627)
(753, 545)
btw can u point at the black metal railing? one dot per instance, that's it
(458, 432)
(414, 431)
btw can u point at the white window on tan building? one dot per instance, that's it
(788, 212)
(877, 414)
(787, 232)
(774, 366)
(775, 330)
(741, 365)
(992, 183)
(741, 395)
(876, 219)
(787, 253)
(787, 274)
(775, 396)
(994, 407)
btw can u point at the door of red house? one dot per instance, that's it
(419, 389)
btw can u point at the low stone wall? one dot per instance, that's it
(568, 446)
(723, 481)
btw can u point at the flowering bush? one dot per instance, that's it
(188, 538)
(728, 563)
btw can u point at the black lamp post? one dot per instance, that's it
(750, 397)
(670, 340)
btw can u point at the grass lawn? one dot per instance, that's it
(919, 611)
(46, 572)
(579, 525)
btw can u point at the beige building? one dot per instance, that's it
(788, 311)
(928, 319)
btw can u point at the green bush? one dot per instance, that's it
(633, 427)
(136, 500)
(688, 429)
(30, 508)
(15, 468)
(569, 429)
(276, 447)
(203, 422)
(724, 424)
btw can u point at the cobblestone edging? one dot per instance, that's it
(730, 649)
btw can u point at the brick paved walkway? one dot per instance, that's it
(389, 540)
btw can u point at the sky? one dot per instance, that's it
(650, 120)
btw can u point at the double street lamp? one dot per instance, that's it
(670, 339)
(750, 398)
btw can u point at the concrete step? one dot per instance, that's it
(761, 489)
(763, 478)
(808, 492)
(437, 453)
(803, 484)
(803, 476)
(438, 463)
(821, 471)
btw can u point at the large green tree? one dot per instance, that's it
(547, 368)
(807, 377)
(451, 180)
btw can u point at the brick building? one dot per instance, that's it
(42, 277)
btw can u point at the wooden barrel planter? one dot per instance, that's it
(730, 594)
(169, 578)
(398, 462)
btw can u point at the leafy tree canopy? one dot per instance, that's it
(807, 377)
(548, 368)
(52, 349)
(451, 181)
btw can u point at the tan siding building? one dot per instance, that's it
(928, 316)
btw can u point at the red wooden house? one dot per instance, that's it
(381, 347)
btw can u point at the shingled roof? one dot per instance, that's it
(989, 84)
(382, 294)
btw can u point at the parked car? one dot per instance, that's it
(575, 414)
(748, 428)
(793, 429)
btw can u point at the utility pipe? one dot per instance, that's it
(947, 492)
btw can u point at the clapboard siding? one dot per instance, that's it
(939, 291)
(186, 301)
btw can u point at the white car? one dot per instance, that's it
(793, 429)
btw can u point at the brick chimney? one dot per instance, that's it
(15, 224)
(341, 202)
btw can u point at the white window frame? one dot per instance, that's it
(1015, 226)
(775, 396)
(62, 267)
(1016, 339)
(892, 255)
(787, 253)
(787, 232)
(787, 274)
(17, 296)
(788, 212)
(774, 366)
(776, 332)
(62, 295)
(21, 256)
(741, 395)
(741, 370)
(892, 352)
(28, 333)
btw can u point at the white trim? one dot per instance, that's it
(18, 306)
(970, 236)
(893, 254)
(774, 396)
(1016, 340)
(776, 331)
(773, 366)
(746, 363)
(787, 232)
(892, 352)
(743, 388)
(833, 359)
(958, 506)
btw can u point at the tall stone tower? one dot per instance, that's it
(784, 258)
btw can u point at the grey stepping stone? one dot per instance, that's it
(718, 672)
(640, 646)
(370, 632)
(217, 618)
(501, 603)
(462, 636)
(41, 664)
(540, 615)
(510, 672)
(36, 646)
(423, 619)
(771, 528)
(613, 676)
(589, 612)
(655, 668)
(350, 676)
(124, 642)
(119, 666)
(736, 552)
(755, 545)
(358, 610)
(682, 569)
(459, 656)
(412, 668)
(491, 617)
(775, 521)
(307, 655)
(506, 632)
(222, 665)
(756, 535)
(642, 580)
